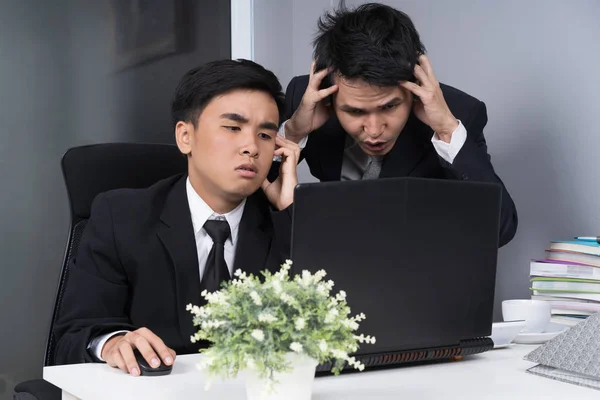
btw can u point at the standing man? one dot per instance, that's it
(373, 108)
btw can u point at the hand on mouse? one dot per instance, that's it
(118, 351)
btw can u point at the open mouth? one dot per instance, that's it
(374, 147)
(247, 170)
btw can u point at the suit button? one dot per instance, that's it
(465, 176)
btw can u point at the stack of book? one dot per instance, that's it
(568, 278)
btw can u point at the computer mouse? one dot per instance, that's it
(147, 370)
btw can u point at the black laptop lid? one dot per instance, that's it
(417, 256)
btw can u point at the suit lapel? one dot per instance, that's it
(409, 149)
(254, 236)
(177, 235)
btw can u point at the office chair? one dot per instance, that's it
(89, 171)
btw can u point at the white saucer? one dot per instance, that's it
(502, 346)
(551, 332)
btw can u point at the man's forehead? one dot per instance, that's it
(358, 90)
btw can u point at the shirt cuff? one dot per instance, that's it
(301, 144)
(96, 344)
(448, 151)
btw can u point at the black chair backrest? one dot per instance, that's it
(91, 170)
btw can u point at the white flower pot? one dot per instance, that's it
(294, 385)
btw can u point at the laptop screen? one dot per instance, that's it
(416, 256)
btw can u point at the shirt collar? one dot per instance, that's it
(201, 212)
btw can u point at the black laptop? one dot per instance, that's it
(417, 256)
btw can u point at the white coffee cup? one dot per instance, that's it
(535, 313)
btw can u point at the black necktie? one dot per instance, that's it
(216, 269)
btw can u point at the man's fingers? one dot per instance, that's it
(283, 142)
(287, 144)
(317, 78)
(118, 362)
(413, 88)
(425, 63)
(422, 77)
(289, 156)
(147, 351)
(323, 93)
(157, 347)
(126, 350)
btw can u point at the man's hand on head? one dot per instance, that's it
(430, 107)
(118, 351)
(313, 111)
(281, 191)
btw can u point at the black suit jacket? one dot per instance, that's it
(413, 153)
(137, 266)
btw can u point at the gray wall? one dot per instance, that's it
(33, 216)
(535, 64)
(57, 90)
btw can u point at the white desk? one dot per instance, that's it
(497, 374)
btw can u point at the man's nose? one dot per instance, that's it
(373, 126)
(249, 145)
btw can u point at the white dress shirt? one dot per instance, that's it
(200, 213)
(353, 156)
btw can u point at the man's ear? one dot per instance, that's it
(183, 136)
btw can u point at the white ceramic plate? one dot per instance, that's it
(553, 330)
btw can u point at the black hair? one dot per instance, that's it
(202, 84)
(373, 42)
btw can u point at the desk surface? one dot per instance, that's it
(497, 374)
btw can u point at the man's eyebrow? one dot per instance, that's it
(269, 125)
(272, 126)
(393, 101)
(346, 107)
(235, 117)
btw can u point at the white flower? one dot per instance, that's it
(218, 297)
(258, 335)
(300, 323)
(323, 346)
(322, 290)
(256, 298)
(365, 339)
(356, 364)
(276, 286)
(341, 296)
(195, 338)
(266, 317)
(339, 354)
(297, 347)
(360, 317)
(283, 272)
(320, 275)
(286, 298)
(331, 314)
(350, 323)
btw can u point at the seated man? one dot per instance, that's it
(146, 254)
(373, 108)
